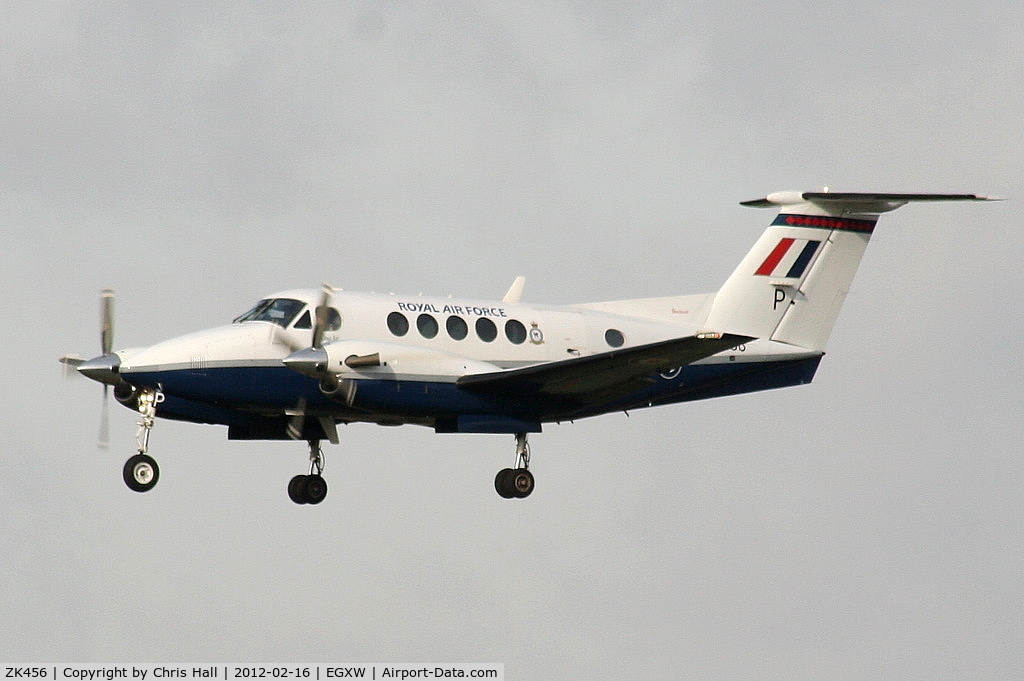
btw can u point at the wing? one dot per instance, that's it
(602, 377)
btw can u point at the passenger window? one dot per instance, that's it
(486, 329)
(457, 327)
(427, 325)
(614, 338)
(515, 331)
(398, 324)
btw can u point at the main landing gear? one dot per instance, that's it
(312, 488)
(140, 471)
(516, 483)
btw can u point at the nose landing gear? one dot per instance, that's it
(141, 472)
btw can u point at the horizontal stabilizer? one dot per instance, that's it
(835, 203)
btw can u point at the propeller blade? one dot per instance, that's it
(104, 439)
(69, 362)
(109, 368)
(297, 422)
(278, 337)
(323, 316)
(107, 320)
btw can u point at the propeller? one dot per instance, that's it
(315, 355)
(103, 368)
(312, 361)
(106, 344)
(322, 317)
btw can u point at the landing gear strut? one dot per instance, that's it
(140, 471)
(312, 488)
(518, 482)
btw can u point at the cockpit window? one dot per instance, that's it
(280, 311)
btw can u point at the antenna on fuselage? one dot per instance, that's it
(515, 291)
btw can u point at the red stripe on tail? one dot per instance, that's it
(772, 261)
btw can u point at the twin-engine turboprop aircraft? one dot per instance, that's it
(300, 362)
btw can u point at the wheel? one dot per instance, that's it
(296, 489)
(522, 483)
(314, 488)
(503, 483)
(141, 473)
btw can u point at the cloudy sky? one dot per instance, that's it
(196, 156)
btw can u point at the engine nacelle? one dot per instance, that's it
(370, 359)
(339, 389)
(127, 394)
(341, 365)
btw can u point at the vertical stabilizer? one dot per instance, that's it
(791, 284)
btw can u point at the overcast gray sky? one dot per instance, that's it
(196, 156)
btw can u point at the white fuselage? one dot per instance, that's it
(476, 334)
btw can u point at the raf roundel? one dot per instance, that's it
(536, 335)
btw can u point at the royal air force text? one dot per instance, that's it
(470, 310)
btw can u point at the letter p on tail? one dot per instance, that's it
(791, 284)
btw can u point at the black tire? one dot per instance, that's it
(522, 483)
(297, 489)
(141, 473)
(314, 489)
(503, 483)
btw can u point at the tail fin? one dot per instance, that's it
(791, 284)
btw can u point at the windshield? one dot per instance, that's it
(280, 311)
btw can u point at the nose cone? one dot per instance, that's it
(311, 362)
(235, 345)
(105, 369)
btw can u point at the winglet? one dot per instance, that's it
(515, 291)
